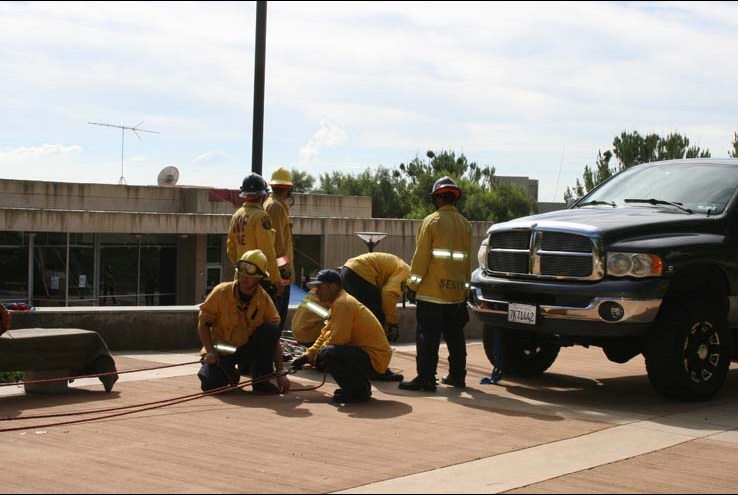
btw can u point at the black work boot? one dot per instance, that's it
(453, 381)
(418, 383)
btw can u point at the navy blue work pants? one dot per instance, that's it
(365, 292)
(433, 322)
(350, 367)
(256, 356)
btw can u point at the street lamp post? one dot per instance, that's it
(371, 238)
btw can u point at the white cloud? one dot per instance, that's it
(47, 153)
(328, 136)
(509, 84)
(210, 158)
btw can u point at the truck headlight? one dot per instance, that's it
(482, 255)
(634, 265)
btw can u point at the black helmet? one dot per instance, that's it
(446, 185)
(254, 185)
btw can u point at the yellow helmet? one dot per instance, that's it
(253, 263)
(281, 177)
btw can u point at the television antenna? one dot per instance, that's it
(123, 128)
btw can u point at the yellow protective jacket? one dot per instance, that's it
(441, 268)
(309, 318)
(351, 323)
(279, 212)
(251, 228)
(387, 272)
(233, 322)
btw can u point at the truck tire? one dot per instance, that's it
(526, 354)
(688, 353)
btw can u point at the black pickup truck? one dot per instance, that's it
(646, 263)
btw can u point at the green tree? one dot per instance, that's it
(734, 152)
(592, 177)
(484, 197)
(302, 182)
(404, 192)
(630, 148)
(383, 185)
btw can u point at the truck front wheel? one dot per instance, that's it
(523, 353)
(688, 353)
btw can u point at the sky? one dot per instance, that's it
(532, 89)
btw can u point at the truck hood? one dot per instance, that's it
(610, 222)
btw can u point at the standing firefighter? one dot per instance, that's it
(251, 228)
(279, 212)
(237, 326)
(439, 281)
(376, 280)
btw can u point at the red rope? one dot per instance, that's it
(146, 407)
(98, 375)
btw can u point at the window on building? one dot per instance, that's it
(14, 266)
(81, 270)
(158, 282)
(50, 269)
(215, 261)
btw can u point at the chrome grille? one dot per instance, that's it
(561, 241)
(515, 239)
(544, 254)
(566, 266)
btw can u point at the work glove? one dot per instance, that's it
(298, 363)
(393, 332)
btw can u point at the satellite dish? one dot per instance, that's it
(168, 176)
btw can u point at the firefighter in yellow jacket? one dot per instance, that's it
(237, 325)
(439, 279)
(377, 280)
(351, 345)
(279, 212)
(309, 319)
(251, 228)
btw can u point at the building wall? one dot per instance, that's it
(191, 214)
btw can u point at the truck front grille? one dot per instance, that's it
(541, 253)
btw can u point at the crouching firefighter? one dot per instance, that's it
(238, 326)
(351, 346)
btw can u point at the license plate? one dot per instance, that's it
(521, 313)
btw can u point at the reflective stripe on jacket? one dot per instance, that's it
(309, 318)
(279, 212)
(351, 323)
(441, 266)
(233, 322)
(251, 228)
(386, 272)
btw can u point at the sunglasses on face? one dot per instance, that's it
(247, 268)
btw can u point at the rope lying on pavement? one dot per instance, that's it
(141, 407)
(147, 406)
(97, 375)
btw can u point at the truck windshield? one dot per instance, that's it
(700, 187)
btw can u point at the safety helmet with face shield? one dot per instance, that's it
(252, 263)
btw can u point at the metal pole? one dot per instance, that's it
(259, 71)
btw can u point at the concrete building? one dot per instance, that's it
(71, 244)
